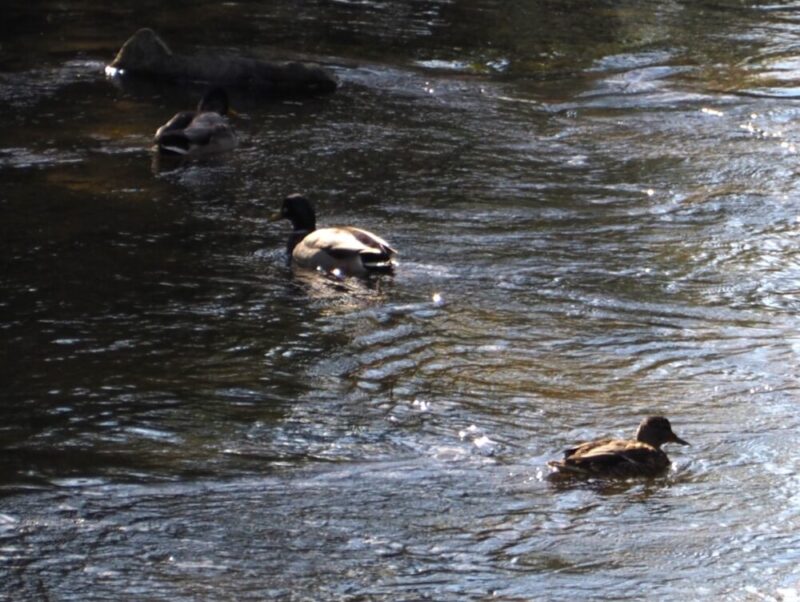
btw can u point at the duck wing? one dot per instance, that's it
(179, 121)
(346, 242)
(373, 245)
(585, 448)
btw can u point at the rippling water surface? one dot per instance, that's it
(598, 216)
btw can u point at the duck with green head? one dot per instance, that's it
(345, 250)
(201, 132)
(638, 457)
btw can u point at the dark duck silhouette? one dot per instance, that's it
(146, 55)
(621, 458)
(201, 132)
(344, 250)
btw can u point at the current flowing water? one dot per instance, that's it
(597, 212)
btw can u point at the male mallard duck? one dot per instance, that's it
(639, 457)
(348, 250)
(200, 132)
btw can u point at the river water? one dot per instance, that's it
(597, 212)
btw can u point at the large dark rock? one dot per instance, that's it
(146, 54)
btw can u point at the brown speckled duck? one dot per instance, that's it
(344, 250)
(621, 458)
(145, 54)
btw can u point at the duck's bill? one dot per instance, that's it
(676, 439)
(276, 217)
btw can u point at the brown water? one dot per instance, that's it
(605, 197)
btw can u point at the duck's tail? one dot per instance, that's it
(379, 266)
(559, 468)
(173, 143)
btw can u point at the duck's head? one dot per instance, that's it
(298, 210)
(656, 431)
(216, 100)
(144, 50)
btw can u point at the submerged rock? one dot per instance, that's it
(146, 54)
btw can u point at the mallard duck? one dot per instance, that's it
(145, 54)
(345, 250)
(641, 456)
(200, 132)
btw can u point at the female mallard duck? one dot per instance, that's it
(145, 54)
(200, 132)
(346, 250)
(639, 457)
